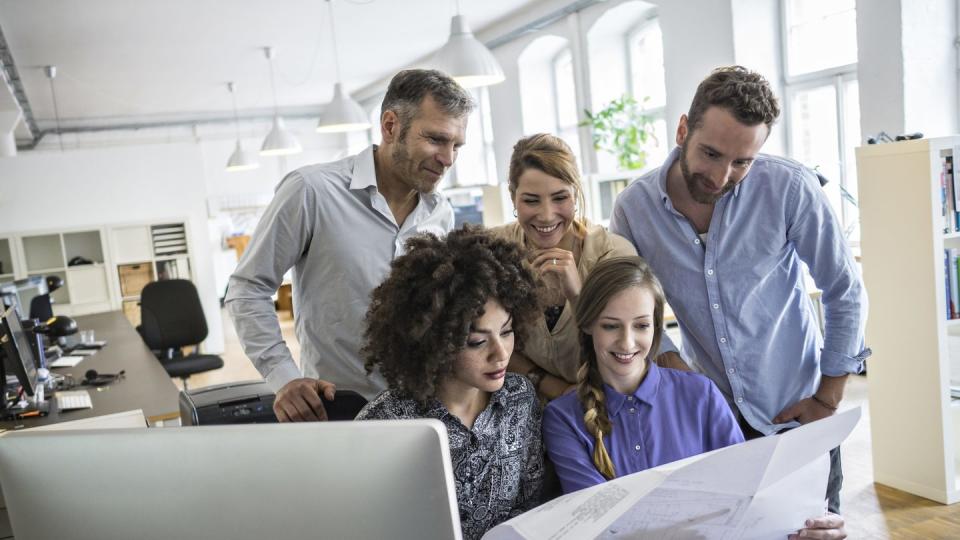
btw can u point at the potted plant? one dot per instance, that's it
(623, 129)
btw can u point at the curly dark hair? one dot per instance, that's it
(420, 316)
(746, 94)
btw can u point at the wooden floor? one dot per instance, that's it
(870, 510)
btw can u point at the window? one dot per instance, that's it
(648, 83)
(475, 161)
(822, 98)
(565, 101)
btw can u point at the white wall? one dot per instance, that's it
(50, 190)
(907, 66)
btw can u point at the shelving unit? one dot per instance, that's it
(144, 253)
(77, 258)
(915, 425)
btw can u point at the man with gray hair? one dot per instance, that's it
(338, 225)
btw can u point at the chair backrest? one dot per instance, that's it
(41, 307)
(171, 315)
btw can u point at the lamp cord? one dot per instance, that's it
(56, 111)
(333, 34)
(236, 116)
(273, 88)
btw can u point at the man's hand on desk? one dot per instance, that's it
(299, 400)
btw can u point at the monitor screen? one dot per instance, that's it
(27, 290)
(370, 479)
(10, 298)
(18, 354)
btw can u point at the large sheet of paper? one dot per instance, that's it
(760, 489)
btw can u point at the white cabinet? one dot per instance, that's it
(913, 421)
(77, 258)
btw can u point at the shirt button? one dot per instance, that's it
(629, 398)
(696, 241)
(731, 371)
(633, 410)
(637, 447)
(723, 340)
(716, 306)
(740, 399)
(710, 272)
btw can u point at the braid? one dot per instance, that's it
(590, 392)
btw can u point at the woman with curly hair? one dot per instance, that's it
(628, 414)
(441, 329)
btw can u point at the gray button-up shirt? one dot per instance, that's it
(331, 225)
(746, 319)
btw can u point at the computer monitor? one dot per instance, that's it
(363, 479)
(21, 293)
(18, 351)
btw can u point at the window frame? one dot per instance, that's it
(837, 77)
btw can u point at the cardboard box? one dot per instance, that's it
(134, 277)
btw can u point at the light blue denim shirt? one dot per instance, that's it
(746, 319)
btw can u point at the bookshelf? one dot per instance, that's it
(147, 252)
(77, 257)
(915, 425)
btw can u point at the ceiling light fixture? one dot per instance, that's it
(51, 72)
(342, 113)
(464, 58)
(279, 142)
(240, 159)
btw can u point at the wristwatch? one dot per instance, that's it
(535, 376)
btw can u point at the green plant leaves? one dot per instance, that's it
(623, 129)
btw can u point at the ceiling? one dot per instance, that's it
(122, 62)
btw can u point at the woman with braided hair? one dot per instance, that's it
(441, 329)
(628, 414)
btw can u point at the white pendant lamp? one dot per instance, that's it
(342, 114)
(464, 58)
(240, 159)
(279, 142)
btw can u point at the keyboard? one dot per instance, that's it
(77, 399)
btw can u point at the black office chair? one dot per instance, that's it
(171, 318)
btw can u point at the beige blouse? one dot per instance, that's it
(558, 351)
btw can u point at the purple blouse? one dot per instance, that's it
(672, 415)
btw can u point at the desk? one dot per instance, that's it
(145, 385)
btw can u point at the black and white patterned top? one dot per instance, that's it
(497, 465)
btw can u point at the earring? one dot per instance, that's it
(514, 212)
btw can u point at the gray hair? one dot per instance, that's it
(408, 88)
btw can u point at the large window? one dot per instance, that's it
(565, 100)
(648, 83)
(548, 94)
(822, 105)
(475, 161)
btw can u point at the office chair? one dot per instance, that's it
(171, 318)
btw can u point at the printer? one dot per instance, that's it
(246, 402)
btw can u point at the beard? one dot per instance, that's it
(406, 168)
(694, 181)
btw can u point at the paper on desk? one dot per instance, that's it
(67, 361)
(763, 488)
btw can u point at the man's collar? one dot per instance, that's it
(364, 170)
(365, 174)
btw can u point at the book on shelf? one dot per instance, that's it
(949, 196)
(951, 282)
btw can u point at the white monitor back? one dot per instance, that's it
(341, 480)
